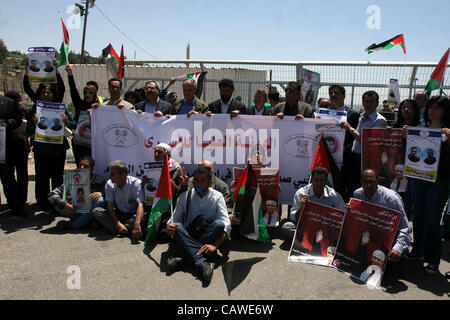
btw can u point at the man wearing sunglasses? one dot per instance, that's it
(293, 105)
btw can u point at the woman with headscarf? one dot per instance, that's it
(49, 159)
(81, 144)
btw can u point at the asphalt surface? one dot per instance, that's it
(37, 261)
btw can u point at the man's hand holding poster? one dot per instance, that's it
(77, 189)
(317, 234)
(365, 241)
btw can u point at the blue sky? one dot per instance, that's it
(236, 29)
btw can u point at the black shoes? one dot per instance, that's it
(207, 269)
(174, 264)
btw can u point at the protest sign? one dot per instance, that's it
(317, 234)
(288, 144)
(82, 134)
(394, 93)
(50, 127)
(40, 64)
(382, 151)
(423, 146)
(268, 182)
(310, 86)
(339, 116)
(77, 189)
(2, 142)
(152, 170)
(366, 238)
(334, 137)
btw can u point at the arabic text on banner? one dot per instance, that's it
(50, 126)
(423, 147)
(77, 189)
(287, 144)
(317, 234)
(365, 241)
(40, 64)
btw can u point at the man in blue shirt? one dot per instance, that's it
(190, 104)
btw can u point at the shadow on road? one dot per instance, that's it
(11, 223)
(235, 272)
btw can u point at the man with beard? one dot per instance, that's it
(226, 104)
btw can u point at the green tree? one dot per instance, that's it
(3, 51)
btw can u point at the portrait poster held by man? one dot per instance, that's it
(382, 150)
(375, 220)
(359, 239)
(316, 234)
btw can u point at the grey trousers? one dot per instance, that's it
(103, 217)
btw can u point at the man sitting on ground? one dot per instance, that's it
(317, 191)
(199, 225)
(124, 198)
(63, 207)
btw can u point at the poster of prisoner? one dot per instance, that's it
(317, 234)
(384, 152)
(366, 238)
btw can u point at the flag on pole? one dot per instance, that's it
(437, 77)
(161, 204)
(323, 158)
(64, 50)
(399, 39)
(121, 70)
(109, 51)
(196, 76)
(247, 197)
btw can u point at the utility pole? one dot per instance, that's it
(84, 12)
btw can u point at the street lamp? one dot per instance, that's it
(84, 12)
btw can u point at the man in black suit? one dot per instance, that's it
(152, 102)
(226, 104)
(11, 117)
(337, 98)
(412, 156)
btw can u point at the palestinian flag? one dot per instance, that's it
(388, 44)
(323, 158)
(247, 197)
(109, 51)
(64, 51)
(196, 76)
(437, 77)
(161, 204)
(121, 70)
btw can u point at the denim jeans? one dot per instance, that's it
(428, 201)
(79, 220)
(188, 246)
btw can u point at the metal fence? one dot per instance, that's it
(248, 76)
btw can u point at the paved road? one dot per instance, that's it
(36, 259)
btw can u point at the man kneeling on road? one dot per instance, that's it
(199, 225)
(124, 198)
